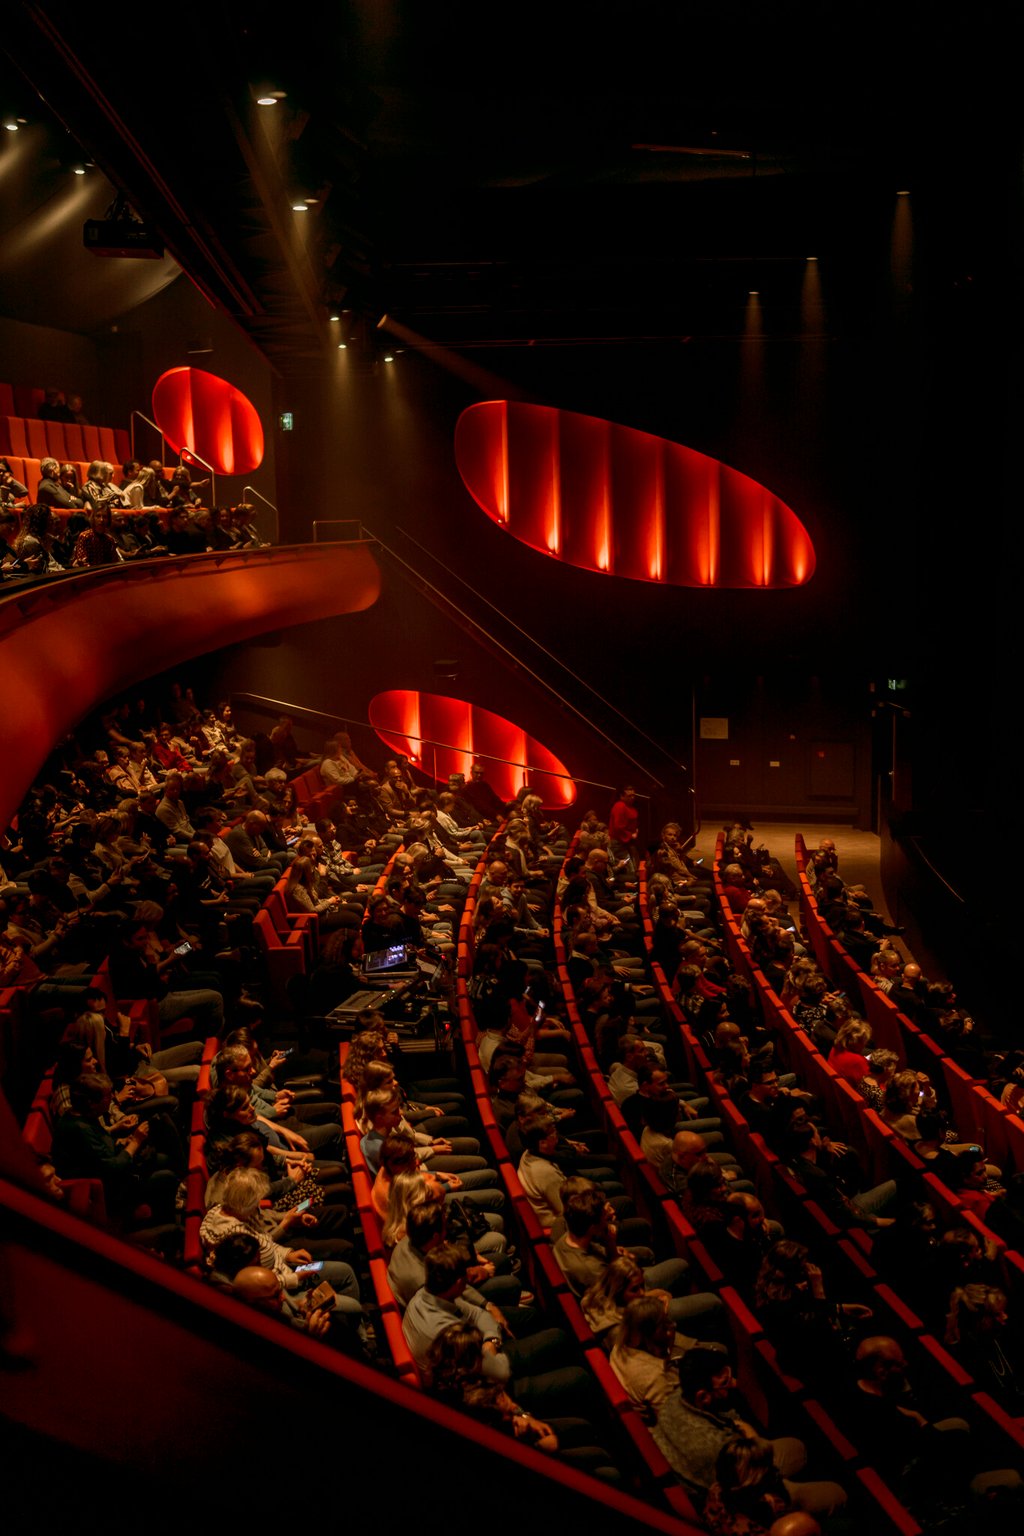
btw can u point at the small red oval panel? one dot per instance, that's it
(442, 736)
(608, 498)
(206, 414)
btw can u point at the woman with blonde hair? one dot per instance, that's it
(850, 1051)
(407, 1190)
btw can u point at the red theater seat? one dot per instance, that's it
(35, 431)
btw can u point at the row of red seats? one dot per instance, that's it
(977, 1112)
(27, 470)
(887, 1154)
(771, 1394)
(762, 1380)
(30, 438)
(362, 1188)
(637, 1446)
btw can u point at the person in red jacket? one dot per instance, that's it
(622, 825)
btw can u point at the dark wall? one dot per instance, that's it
(795, 746)
(40, 355)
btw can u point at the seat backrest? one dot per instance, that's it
(35, 431)
(56, 442)
(264, 929)
(17, 436)
(73, 442)
(6, 400)
(32, 476)
(91, 443)
(108, 447)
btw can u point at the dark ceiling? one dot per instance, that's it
(508, 175)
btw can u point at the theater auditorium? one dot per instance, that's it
(502, 1000)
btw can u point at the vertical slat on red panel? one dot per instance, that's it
(634, 477)
(586, 498)
(530, 470)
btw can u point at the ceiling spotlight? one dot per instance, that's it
(388, 357)
(904, 193)
(79, 170)
(268, 97)
(755, 293)
(300, 207)
(812, 258)
(11, 124)
(342, 346)
(334, 319)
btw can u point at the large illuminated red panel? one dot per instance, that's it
(206, 414)
(442, 736)
(608, 498)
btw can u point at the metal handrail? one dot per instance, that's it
(541, 647)
(518, 662)
(143, 417)
(200, 460)
(246, 489)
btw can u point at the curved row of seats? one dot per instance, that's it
(639, 1454)
(772, 1395)
(30, 438)
(28, 472)
(885, 1155)
(977, 1112)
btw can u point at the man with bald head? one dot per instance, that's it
(687, 1148)
(910, 990)
(262, 1290)
(797, 1523)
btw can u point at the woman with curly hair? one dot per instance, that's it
(34, 543)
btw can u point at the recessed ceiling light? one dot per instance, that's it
(300, 207)
(11, 124)
(79, 170)
(388, 358)
(335, 319)
(342, 346)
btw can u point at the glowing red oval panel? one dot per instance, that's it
(608, 498)
(443, 736)
(202, 412)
